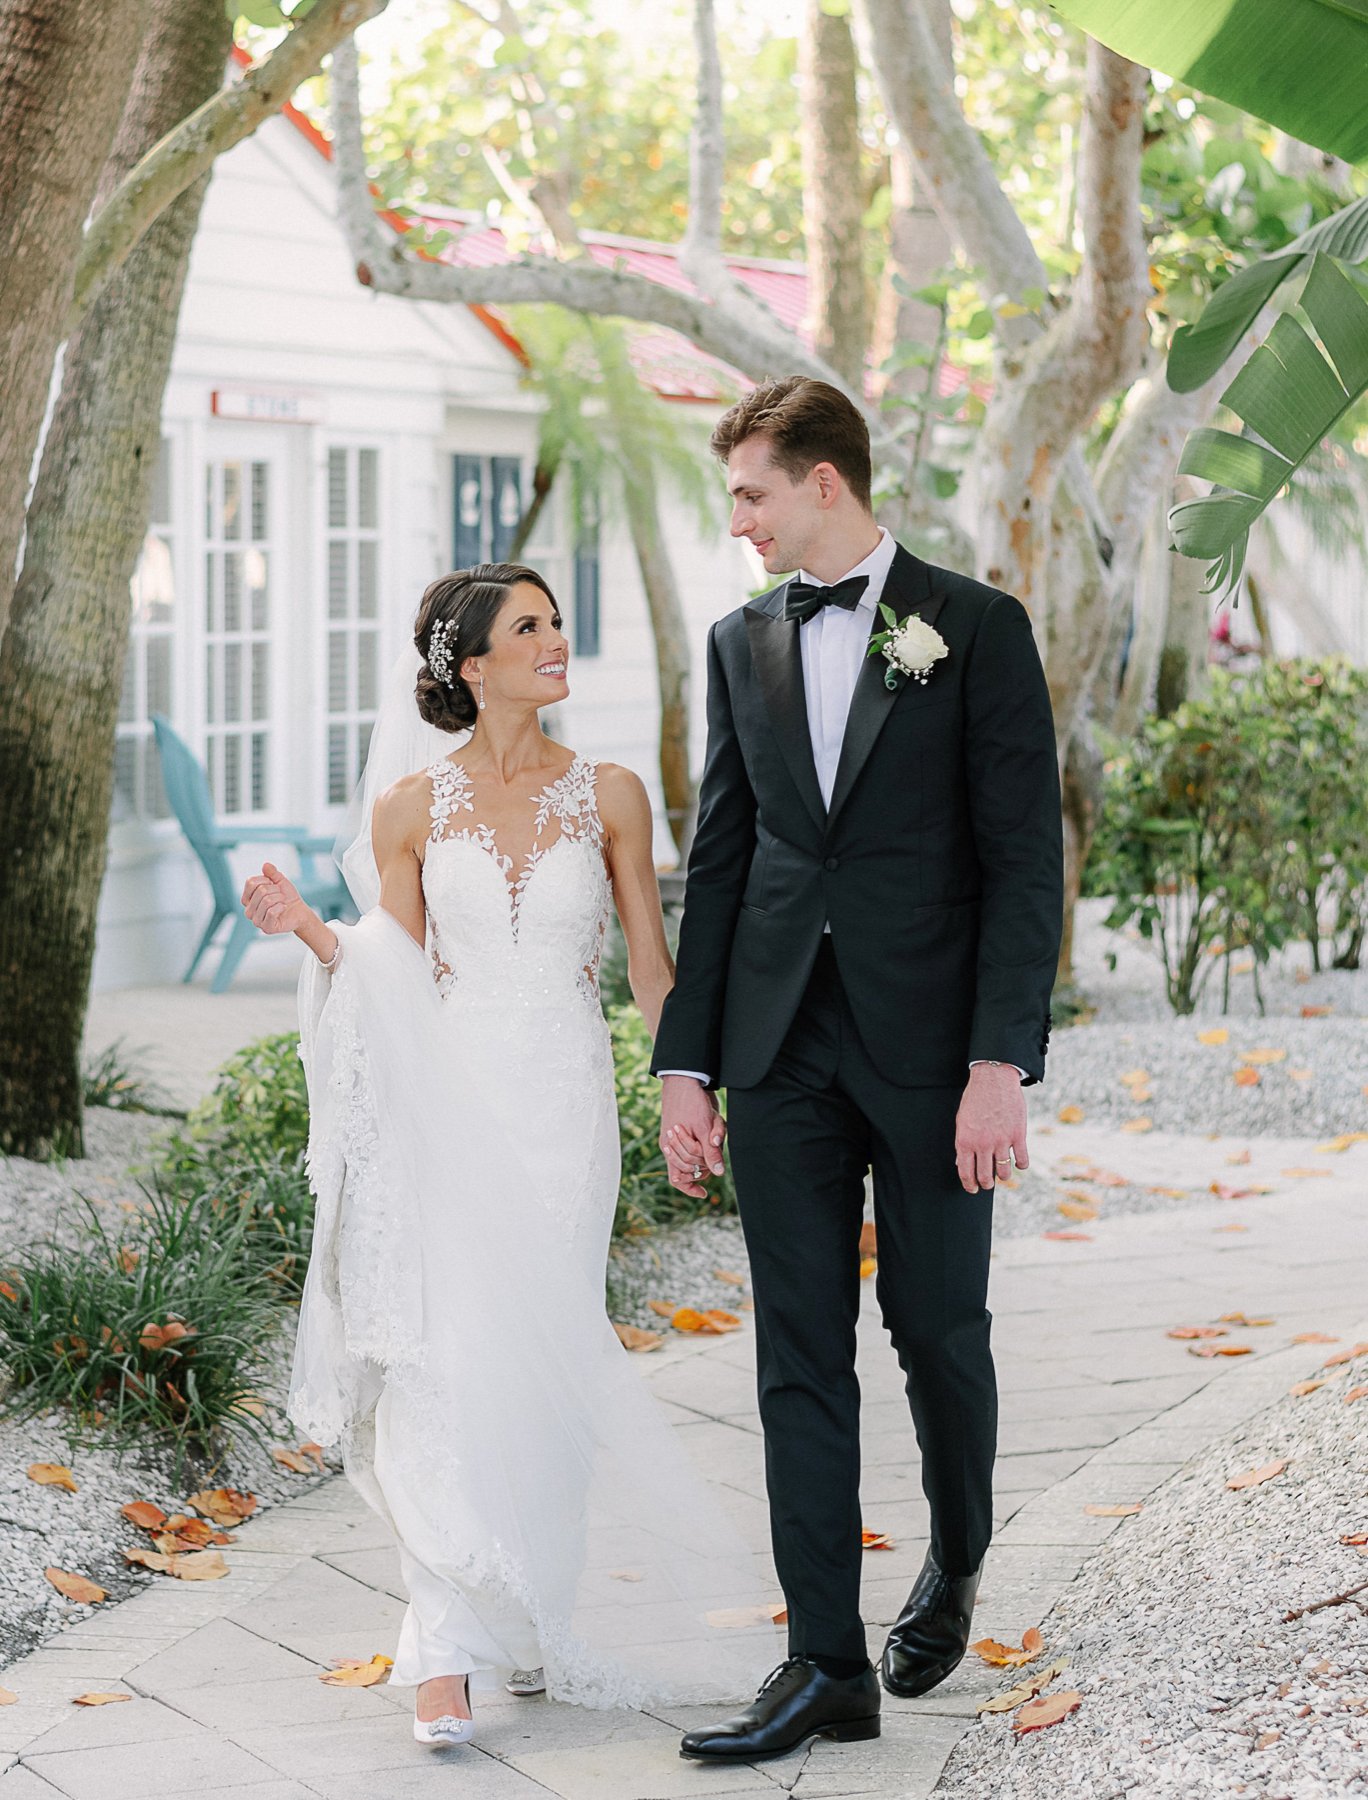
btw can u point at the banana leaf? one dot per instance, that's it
(1290, 394)
(1300, 64)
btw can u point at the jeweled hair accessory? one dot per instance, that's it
(439, 649)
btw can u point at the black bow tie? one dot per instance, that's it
(803, 598)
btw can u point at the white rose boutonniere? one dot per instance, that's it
(910, 646)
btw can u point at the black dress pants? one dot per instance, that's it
(800, 1142)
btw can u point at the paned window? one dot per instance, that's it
(238, 523)
(353, 607)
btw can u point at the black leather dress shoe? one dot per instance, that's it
(932, 1631)
(797, 1702)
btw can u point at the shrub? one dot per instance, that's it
(645, 1199)
(1240, 822)
(258, 1108)
(168, 1328)
(109, 1080)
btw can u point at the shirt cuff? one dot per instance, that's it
(705, 1079)
(979, 1061)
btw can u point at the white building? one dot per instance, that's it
(326, 453)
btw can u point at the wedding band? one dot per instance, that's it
(1004, 1162)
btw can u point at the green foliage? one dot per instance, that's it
(623, 105)
(1298, 63)
(110, 1080)
(1241, 822)
(167, 1328)
(258, 1108)
(646, 1200)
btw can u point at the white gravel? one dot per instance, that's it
(1192, 1681)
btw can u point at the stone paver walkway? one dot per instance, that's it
(1098, 1405)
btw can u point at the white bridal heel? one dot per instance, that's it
(526, 1681)
(448, 1729)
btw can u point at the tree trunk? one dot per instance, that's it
(1183, 659)
(65, 66)
(543, 480)
(61, 665)
(1082, 792)
(838, 313)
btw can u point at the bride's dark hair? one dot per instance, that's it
(466, 603)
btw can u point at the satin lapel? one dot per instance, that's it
(907, 589)
(778, 664)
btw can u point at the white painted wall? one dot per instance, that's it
(271, 304)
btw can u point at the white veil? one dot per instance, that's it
(401, 744)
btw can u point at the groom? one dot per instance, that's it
(871, 925)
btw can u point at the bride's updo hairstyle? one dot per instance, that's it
(466, 605)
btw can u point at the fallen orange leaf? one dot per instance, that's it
(1230, 1228)
(738, 1618)
(1316, 1012)
(225, 1506)
(1074, 1209)
(1070, 1115)
(1355, 1537)
(76, 1587)
(1247, 1078)
(1197, 1331)
(159, 1337)
(128, 1258)
(665, 1308)
(1346, 1140)
(1068, 1237)
(7, 1698)
(1169, 1193)
(1304, 1174)
(1315, 1337)
(1256, 1477)
(1218, 1035)
(315, 1451)
(1344, 1356)
(1115, 1512)
(1239, 1318)
(1220, 1349)
(730, 1276)
(1026, 1690)
(1008, 1656)
(52, 1475)
(719, 1321)
(143, 1514)
(1136, 1078)
(98, 1699)
(1356, 1393)
(352, 1673)
(1239, 1158)
(1137, 1125)
(875, 1540)
(633, 1337)
(1299, 1388)
(1263, 1057)
(291, 1459)
(1046, 1709)
(1222, 1192)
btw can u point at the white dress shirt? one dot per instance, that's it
(834, 644)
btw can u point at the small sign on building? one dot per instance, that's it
(268, 406)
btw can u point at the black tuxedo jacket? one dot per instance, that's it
(939, 863)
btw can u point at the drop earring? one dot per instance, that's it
(482, 699)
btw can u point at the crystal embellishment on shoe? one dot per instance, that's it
(449, 1729)
(524, 1682)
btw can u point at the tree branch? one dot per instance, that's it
(956, 173)
(756, 344)
(183, 155)
(707, 145)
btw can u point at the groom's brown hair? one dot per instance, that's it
(806, 422)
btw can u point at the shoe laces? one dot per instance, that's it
(776, 1675)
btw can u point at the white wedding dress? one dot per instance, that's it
(463, 1151)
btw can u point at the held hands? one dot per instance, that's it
(271, 901)
(692, 1132)
(990, 1127)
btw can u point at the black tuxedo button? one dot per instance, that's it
(832, 862)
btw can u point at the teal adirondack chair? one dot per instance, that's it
(187, 788)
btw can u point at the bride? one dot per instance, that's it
(463, 1153)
